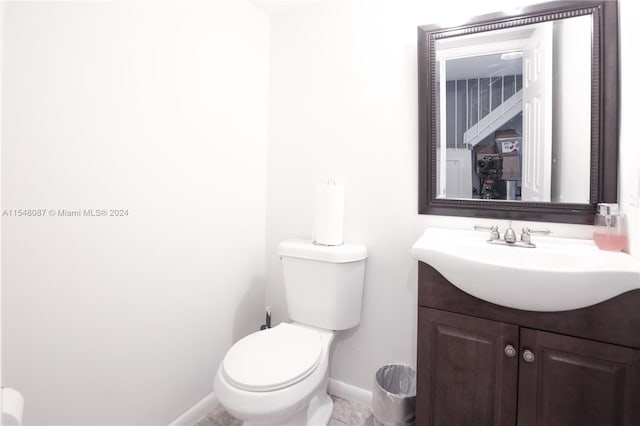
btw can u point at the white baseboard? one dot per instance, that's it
(209, 402)
(350, 392)
(197, 412)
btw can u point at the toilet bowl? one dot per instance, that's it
(279, 376)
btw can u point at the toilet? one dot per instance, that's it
(279, 376)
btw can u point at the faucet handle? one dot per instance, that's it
(495, 234)
(485, 228)
(536, 231)
(526, 233)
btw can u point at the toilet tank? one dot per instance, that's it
(323, 284)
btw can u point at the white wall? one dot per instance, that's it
(159, 108)
(629, 170)
(343, 105)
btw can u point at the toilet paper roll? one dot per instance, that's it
(12, 405)
(328, 215)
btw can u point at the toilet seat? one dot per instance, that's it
(273, 359)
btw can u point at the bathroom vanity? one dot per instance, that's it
(484, 364)
(548, 333)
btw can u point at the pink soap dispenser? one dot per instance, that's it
(608, 233)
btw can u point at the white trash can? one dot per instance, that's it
(394, 395)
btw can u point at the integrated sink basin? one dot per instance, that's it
(560, 274)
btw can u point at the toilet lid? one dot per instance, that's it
(273, 359)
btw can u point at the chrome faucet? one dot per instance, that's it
(510, 237)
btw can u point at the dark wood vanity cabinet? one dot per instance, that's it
(464, 377)
(482, 364)
(577, 382)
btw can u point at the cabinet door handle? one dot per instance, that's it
(510, 351)
(528, 356)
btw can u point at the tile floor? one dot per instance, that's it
(345, 413)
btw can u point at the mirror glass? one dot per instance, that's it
(513, 113)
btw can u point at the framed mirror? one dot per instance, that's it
(519, 113)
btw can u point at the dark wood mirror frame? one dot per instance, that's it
(604, 114)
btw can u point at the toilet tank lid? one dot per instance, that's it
(306, 249)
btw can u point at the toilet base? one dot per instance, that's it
(303, 403)
(317, 413)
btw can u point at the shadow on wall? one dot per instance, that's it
(249, 315)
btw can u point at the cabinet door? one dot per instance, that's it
(465, 377)
(579, 382)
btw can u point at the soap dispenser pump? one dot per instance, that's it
(608, 233)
